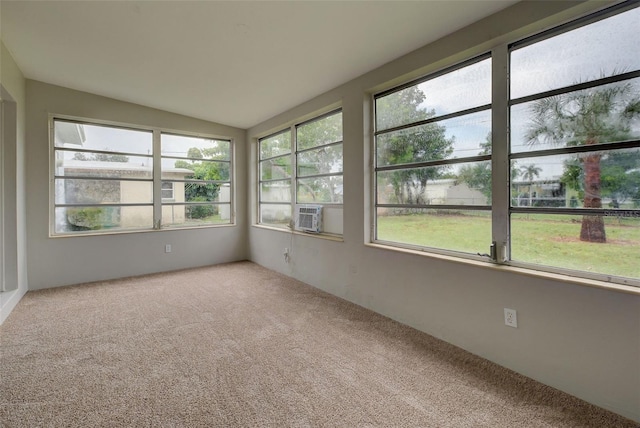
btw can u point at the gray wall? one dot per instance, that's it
(13, 82)
(69, 260)
(581, 339)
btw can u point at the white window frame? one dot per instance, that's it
(293, 180)
(169, 189)
(507, 209)
(299, 151)
(220, 183)
(289, 179)
(416, 165)
(156, 180)
(501, 157)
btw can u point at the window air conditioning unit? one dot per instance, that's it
(308, 218)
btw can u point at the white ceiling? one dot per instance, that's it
(236, 63)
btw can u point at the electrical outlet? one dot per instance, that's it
(167, 248)
(510, 318)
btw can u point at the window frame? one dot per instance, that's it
(289, 179)
(600, 147)
(156, 179)
(431, 163)
(297, 151)
(186, 181)
(294, 177)
(171, 188)
(501, 207)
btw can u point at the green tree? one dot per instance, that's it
(194, 152)
(206, 170)
(479, 176)
(586, 117)
(321, 157)
(422, 143)
(529, 173)
(621, 177)
(277, 151)
(100, 157)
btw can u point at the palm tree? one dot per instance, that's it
(529, 173)
(587, 117)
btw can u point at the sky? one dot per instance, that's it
(138, 142)
(604, 48)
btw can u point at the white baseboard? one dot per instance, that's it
(8, 301)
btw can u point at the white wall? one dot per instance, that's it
(70, 260)
(580, 339)
(13, 82)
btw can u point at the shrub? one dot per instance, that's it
(85, 218)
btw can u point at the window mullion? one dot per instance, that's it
(500, 195)
(294, 167)
(157, 180)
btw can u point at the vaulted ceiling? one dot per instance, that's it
(236, 63)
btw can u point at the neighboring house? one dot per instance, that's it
(441, 192)
(448, 192)
(543, 193)
(120, 192)
(113, 187)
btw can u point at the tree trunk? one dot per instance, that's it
(310, 190)
(592, 226)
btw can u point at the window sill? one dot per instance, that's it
(326, 236)
(610, 286)
(131, 231)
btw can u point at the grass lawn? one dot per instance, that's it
(551, 240)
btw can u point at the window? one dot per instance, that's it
(575, 147)
(433, 160)
(104, 180)
(167, 190)
(200, 171)
(275, 179)
(313, 169)
(319, 160)
(560, 179)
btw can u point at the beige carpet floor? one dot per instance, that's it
(237, 345)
